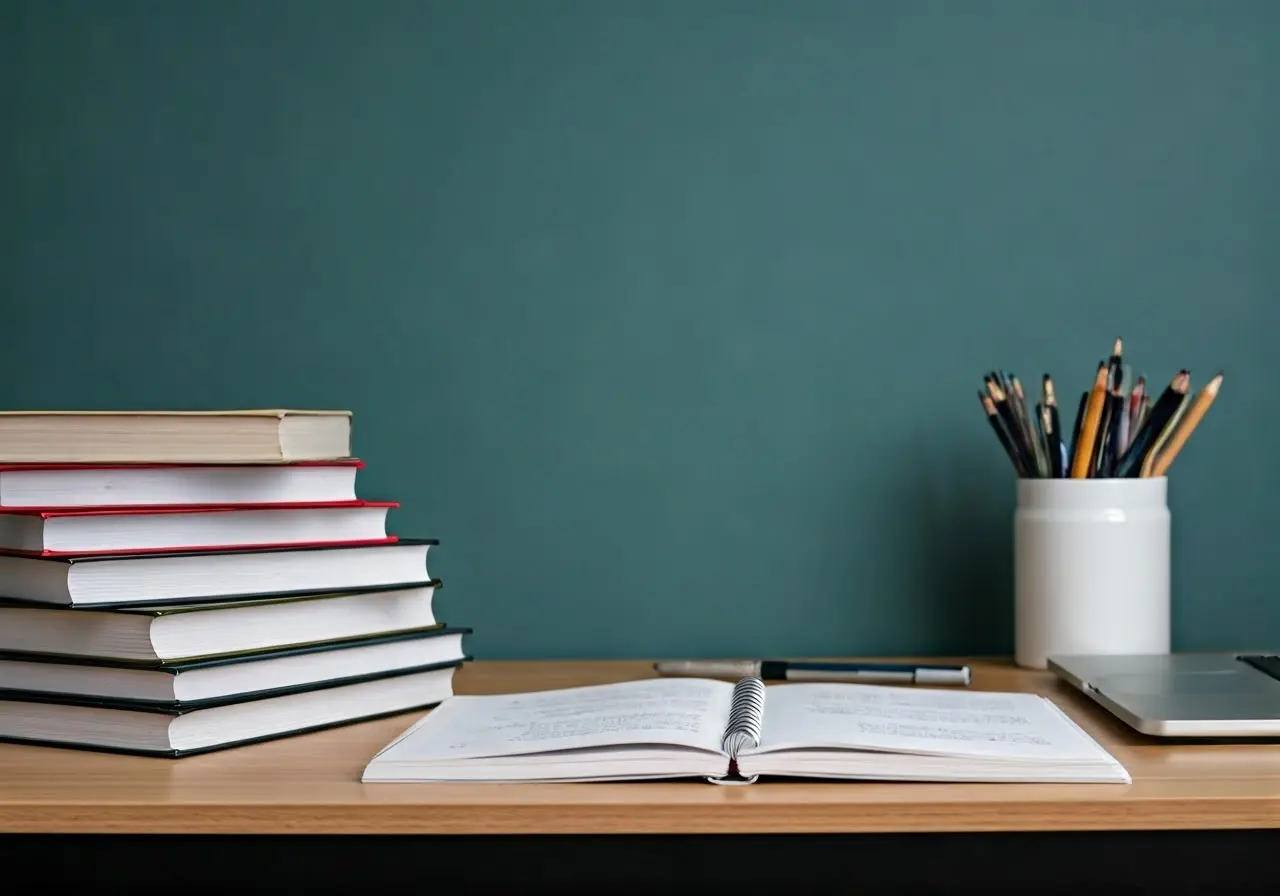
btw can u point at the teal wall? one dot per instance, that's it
(667, 317)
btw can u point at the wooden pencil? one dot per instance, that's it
(1098, 466)
(1164, 455)
(1019, 401)
(1136, 409)
(1000, 398)
(1160, 438)
(1152, 425)
(1115, 433)
(1052, 424)
(1143, 413)
(1115, 364)
(1122, 440)
(1089, 428)
(1075, 427)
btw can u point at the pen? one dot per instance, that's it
(866, 673)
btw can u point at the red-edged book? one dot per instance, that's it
(62, 486)
(44, 532)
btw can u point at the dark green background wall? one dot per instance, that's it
(667, 317)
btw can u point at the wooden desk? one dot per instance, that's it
(310, 785)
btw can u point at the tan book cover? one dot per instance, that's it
(264, 435)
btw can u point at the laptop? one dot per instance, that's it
(1190, 695)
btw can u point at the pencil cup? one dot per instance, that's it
(1091, 568)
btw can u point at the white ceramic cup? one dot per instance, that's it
(1091, 568)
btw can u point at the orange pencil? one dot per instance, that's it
(1089, 428)
(1185, 426)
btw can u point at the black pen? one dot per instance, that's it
(863, 673)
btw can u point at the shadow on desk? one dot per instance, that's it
(1170, 862)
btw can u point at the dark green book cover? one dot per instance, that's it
(207, 605)
(178, 708)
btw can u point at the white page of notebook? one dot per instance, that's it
(685, 713)
(929, 721)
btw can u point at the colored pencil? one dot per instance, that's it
(1121, 429)
(1185, 425)
(1089, 429)
(1002, 432)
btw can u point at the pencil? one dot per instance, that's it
(1157, 419)
(1053, 444)
(1098, 463)
(1104, 448)
(1001, 380)
(1136, 409)
(1019, 400)
(1089, 428)
(1122, 439)
(1001, 401)
(1075, 429)
(1123, 427)
(1143, 413)
(1002, 433)
(1115, 432)
(1199, 406)
(1115, 365)
(1158, 442)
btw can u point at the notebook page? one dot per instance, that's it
(920, 720)
(679, 712)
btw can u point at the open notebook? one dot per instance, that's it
(734, 733)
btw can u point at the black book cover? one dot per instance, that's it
(215, 748)
(179, 707)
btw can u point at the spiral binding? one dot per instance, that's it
(746, 720)
(746, 717)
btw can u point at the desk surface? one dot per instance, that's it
(311, 784)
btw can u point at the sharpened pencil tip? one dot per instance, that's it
(1118, 349)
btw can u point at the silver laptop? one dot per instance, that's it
(1183, 695)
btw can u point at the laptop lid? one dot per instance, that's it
(1183, 695)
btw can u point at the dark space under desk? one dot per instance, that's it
(1195, 819)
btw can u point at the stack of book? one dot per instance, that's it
(178, 582)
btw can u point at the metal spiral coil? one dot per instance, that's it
(746, 717)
